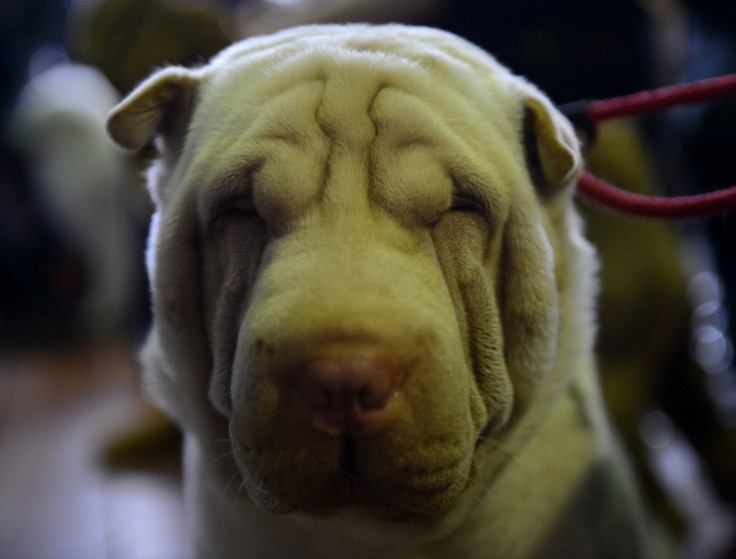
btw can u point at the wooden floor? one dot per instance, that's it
(59, 412)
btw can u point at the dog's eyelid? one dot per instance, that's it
(236, 205)
(233, 195)
(466, 200)
(233, 206)
(237, 183)
(462, 201)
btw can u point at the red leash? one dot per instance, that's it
(600, 192)
(613, 197)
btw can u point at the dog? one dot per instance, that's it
(374, 304)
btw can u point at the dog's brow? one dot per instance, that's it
(235, 182)
(231, 185)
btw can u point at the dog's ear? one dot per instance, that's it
(552, 148)
(161, 107)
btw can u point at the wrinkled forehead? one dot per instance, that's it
(365, 94)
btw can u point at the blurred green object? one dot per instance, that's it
(152, 443)
(645, 318)
(127, 39)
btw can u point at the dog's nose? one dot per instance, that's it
(348, 395)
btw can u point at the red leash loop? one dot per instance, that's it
(613, 197)
(648, 101)
(678, 207)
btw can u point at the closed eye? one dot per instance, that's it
(235, 209)
(467, 202)
(232, 195)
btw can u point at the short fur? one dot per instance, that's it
(390, 192)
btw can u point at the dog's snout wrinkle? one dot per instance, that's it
(348, 395)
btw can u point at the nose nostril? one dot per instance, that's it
(372, 397)
(347, 394)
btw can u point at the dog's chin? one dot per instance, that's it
(348, 491)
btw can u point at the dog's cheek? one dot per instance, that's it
(530, 302)
(453, 237)
(231, 255)
(466, 251)
(178, 332)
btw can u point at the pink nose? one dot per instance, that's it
(348, 395)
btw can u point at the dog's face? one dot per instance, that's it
(352, 261)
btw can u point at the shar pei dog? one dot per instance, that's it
(373, 304)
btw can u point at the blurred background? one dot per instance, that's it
(89, 470)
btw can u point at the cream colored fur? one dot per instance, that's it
(390, 192)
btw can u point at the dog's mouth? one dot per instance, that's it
(332, 477)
